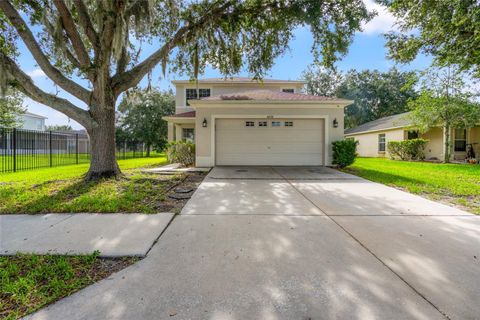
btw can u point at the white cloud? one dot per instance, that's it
(36, 73)
(383, 22)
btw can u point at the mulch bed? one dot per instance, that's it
(177, 196)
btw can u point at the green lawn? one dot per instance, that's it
(29, 282)
(62, 189)
(34, 161)
(457, 184)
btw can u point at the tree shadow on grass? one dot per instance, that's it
(125, 195)
(54, 201)
(385, 178)
(422, 188)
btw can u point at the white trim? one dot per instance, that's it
(375, 130)
(33, 115)
(179, 119)
(213, 118)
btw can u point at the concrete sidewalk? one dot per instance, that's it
(113, 235)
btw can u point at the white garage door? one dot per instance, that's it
(282, 142)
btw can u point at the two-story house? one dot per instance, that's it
(240, 121)
(31, 121)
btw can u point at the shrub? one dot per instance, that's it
(413, 149)
(344, 152)
(396, 150)
(181, 152)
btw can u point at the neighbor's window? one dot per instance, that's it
(288, 123)
(460, 140)
(381, 142)
(412, 135)
(191, 94)
(288, 90)
(262, 123)
(188, 134)
(249, 124)
(276, 123)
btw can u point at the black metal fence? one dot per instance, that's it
(28, 149)
(130, 149)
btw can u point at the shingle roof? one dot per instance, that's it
(398, 120)
(266, 95)
(189, 114)
(239, 80)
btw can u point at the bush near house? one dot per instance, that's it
(181, 152)
(344, 152)
(413, 149)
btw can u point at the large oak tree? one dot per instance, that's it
(98, 41)
(448, 30)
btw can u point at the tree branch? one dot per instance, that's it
(42, 60)
(63, 46)
(25, 84)
(86, 23)
(128, 79)
(72, 32)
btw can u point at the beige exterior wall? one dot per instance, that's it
(368, 142)
(475, 138)
(434, 147)
(205, 137)
(227, 88)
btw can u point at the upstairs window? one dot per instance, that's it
(381, 142)
(288, 90)
(461, 140)
(249, 124)
(191, 94)
(288, 123)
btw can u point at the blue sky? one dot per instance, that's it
(366, 52)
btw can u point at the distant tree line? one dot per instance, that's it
(375, 94)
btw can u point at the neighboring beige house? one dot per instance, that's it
(239, 121)
(373, 137)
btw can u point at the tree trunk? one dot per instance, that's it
(103, 163)
(148, 150)
(447, 153)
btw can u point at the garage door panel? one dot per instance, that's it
(301, 144)
(240, 123)
(293, 135)
(272, 148)
(260, 160)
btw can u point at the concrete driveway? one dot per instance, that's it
(297, 243)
